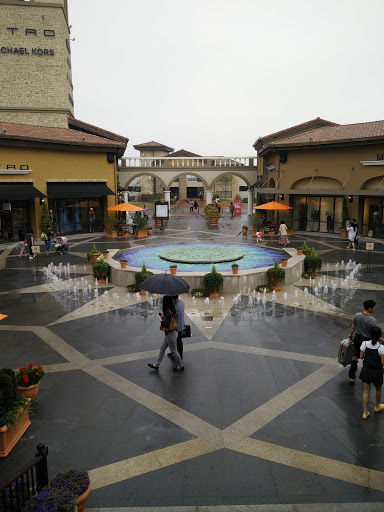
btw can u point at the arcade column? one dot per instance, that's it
(250, 201)
(167, 199)
(208, 196)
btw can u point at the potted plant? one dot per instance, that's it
(212, 213)
(288, 221)
(257, 221)
(140, 226)
(105, 254)
(101, 270)
(197, 292)
(305, 249)
(284, 263)
(244, 229)
(14, 412)
(28, 380)
(299, 252)
(149, 230)
(344, 218)
(271, 233)
(109, 225)
(212, 282)
(276, 276)
(140, 277)
(51, 499)
(77, 482)
(93, 255)
(123, 263)
(235, 268)
(173, 269)
(312, 262)
(125, 233)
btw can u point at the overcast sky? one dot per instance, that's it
(211, 76)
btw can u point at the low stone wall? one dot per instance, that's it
(232, 283)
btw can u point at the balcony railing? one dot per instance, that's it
(206, 161)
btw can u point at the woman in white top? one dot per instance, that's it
(372, 353)
(283, 234)
(351, 236)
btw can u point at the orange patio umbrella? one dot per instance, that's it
(3, 316)
(125, 207)
(272, 205)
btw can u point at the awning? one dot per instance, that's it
(78, 189)
(18, 191)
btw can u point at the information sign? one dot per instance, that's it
(237, 206)
(369, 246)
(162, 211)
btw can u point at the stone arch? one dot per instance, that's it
(271, 183)
(138, 175)
(191, 172)
(376, 183)
(319, 182)
(230, 171)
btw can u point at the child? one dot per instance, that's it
(372, 353)
(258, 236)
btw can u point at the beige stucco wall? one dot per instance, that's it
(33, 84)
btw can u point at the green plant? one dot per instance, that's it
(312, 262)
(139, 223)
(344, 214)
(29, 375)
(172, 266)
(109, 223)
(257, 220)
(10, 401)
(215, 196)
(237, 196)
(76, 482)
(198, 291)
(211, 211)
(45, 219)
(94, 250)
(213, 281)
(275, 275)
(51, 500)
(101, 268)
(141, 276)
(244, 200)
(244, 226)
(124, 261)
(305, 247)
(288, 221)
(234, 265)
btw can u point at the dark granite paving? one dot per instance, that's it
(88, 424)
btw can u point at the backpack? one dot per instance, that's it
(43, 236)
(172, 325)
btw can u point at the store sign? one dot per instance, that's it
(237, 206)
(380, 157)
(38, 52)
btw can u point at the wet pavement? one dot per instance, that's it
(263, 414)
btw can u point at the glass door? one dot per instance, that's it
(313, 213)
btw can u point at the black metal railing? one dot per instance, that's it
(26, 482)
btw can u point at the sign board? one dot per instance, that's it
(369, 246)
(237, 206)
(36, 249)
(7, 207)
(370, 233)
(162, 211)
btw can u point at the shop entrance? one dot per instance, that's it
(316, 213)
(73, 215)
(14, 220)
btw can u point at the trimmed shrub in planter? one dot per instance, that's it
(101, 270)
(276, 276)
(141, 276)
(213, 282)
(312, 262)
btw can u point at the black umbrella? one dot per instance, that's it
(166, 284)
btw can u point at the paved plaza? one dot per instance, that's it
(262, 419)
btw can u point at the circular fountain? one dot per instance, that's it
(201, 254)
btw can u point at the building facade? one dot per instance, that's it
(35, 63)
(313, 166)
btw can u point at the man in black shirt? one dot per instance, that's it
(361, 329)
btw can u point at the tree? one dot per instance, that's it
(45, 219)
(344, 213)
(226, 183)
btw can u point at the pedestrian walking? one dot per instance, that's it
(47, 238)
(231, 209)
(145, 212)
(283, 234)
(361, 331)
(352, 231)
(30, 241)
(219, 205)
(201, 195)
(91, 220)
(191, 206)
(258, 236)
(179, 317)
(196, 206)
(372, 354)
(169, 326)
(357, 238)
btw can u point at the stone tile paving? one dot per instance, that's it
(262, 415)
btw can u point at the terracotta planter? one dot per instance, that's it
(105, 255)
(29, 392)
(289, 232)
(101, 279)
(306, 253)
(10, 436)
(299, 252)
(141, 234)
(276, 288)
(254, 231)
(113, 234)
(235, 270)
(94, 257)
(262, 232)
(284, 263)
(343, 233)
(82, 499)
(149, 231)
(123, 264)
(173, 270)
(213, 221)
(271, 234)
(143, 292)
(126, 235)
(245, 231)
(108, 234)
(214, 295)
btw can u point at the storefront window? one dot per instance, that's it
(327, 214)
(373, 220)
(73, 215)
(299, 213)
(313, 213)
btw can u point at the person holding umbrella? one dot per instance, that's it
(169, 326)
